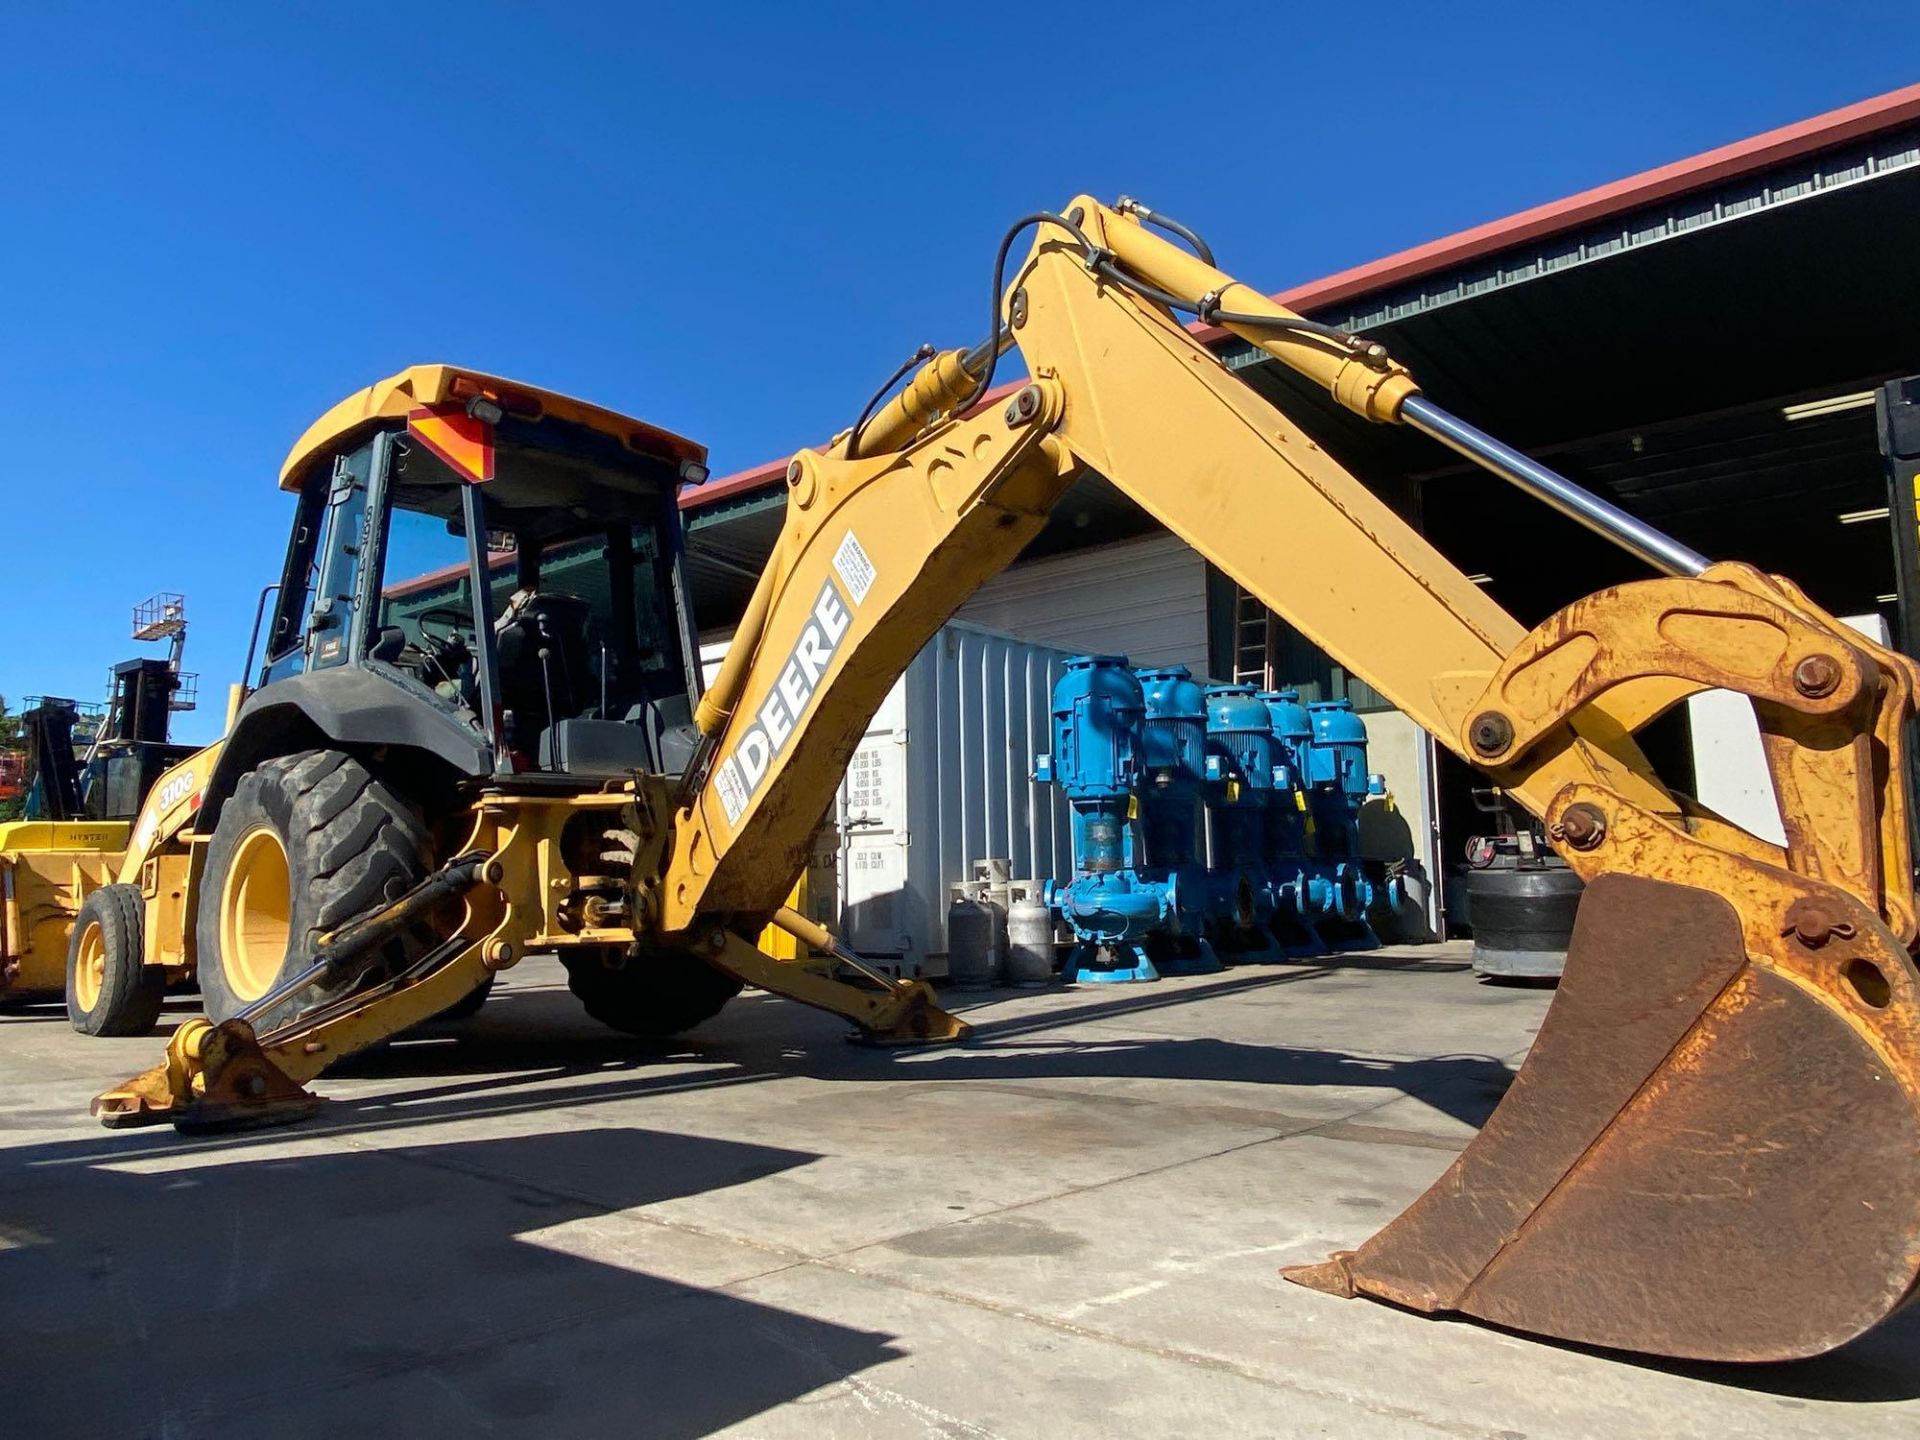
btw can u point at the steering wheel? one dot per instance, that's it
(445, 651)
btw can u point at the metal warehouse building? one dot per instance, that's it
(1698, 344)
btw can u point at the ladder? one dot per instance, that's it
(1252, 641)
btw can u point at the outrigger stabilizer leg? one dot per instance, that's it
(222, 1076)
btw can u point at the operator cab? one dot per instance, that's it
(508, 557)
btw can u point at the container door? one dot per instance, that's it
(875, 904)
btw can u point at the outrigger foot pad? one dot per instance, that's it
(215, 1077)
(921, 1021)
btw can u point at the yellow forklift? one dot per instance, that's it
(95, 786)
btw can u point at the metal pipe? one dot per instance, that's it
(253, 640)
(1659, 550)
(975, 360)
(486, 647)
(328, 1011)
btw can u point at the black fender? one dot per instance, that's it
(424, 747)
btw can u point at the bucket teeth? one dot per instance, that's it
(1701, 1158)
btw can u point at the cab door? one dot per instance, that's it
(313, 625)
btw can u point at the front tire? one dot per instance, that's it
(111, 990)
(306, 843)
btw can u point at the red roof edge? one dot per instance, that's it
(1649, 187)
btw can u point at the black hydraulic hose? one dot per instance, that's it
(1174, 227)
(1358, 346)
(1039, 217)
(1207, 310)
(1101, 262)
(919, 357)
(1170, 225)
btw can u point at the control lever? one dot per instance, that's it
(546, 680)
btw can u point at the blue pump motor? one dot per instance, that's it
(1240, 784)
(1286, 828)
(1172, 774)
(1302, 890)
(1098, 705)
(1338, 785)
(1337, 773)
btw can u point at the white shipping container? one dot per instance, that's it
(942, 778)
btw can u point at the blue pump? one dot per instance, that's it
(1241, 770)
(1338, 785)
(1141, 756)
(1301, 890)
(1098, 706)
(1173, 770)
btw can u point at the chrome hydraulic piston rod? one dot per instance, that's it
(1661, 551)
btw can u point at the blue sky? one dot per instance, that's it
(732, 220)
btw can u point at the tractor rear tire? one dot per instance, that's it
(306, 843)
(656, 995)
(111, 990)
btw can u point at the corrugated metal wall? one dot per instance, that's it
(1145, 599)
(944, 777)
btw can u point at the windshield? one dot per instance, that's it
(580, 604)
(426, 572)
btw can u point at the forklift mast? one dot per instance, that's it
(52, 776)
(142, 705)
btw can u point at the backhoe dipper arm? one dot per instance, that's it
(1717, 1134)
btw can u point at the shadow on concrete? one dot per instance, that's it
(18, 1009)
(532, 1050)
(1882, 1367)
(538, 1037)
(336, 1293)
(1466, 1087)
(52, 1010)
(1104, 1004)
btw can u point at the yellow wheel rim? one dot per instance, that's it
(255, 914)
(90, 971)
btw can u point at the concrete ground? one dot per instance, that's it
(1072, 1227)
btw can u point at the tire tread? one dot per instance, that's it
(131, 991)
(354, 845)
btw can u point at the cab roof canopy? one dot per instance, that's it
(400, 395)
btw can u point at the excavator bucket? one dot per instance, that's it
(1712, 1151)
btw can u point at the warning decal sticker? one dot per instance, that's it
(850, 562)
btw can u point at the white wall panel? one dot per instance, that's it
(1145, 599)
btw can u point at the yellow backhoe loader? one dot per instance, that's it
(1713, 1150)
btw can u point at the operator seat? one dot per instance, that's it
(557, 624)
